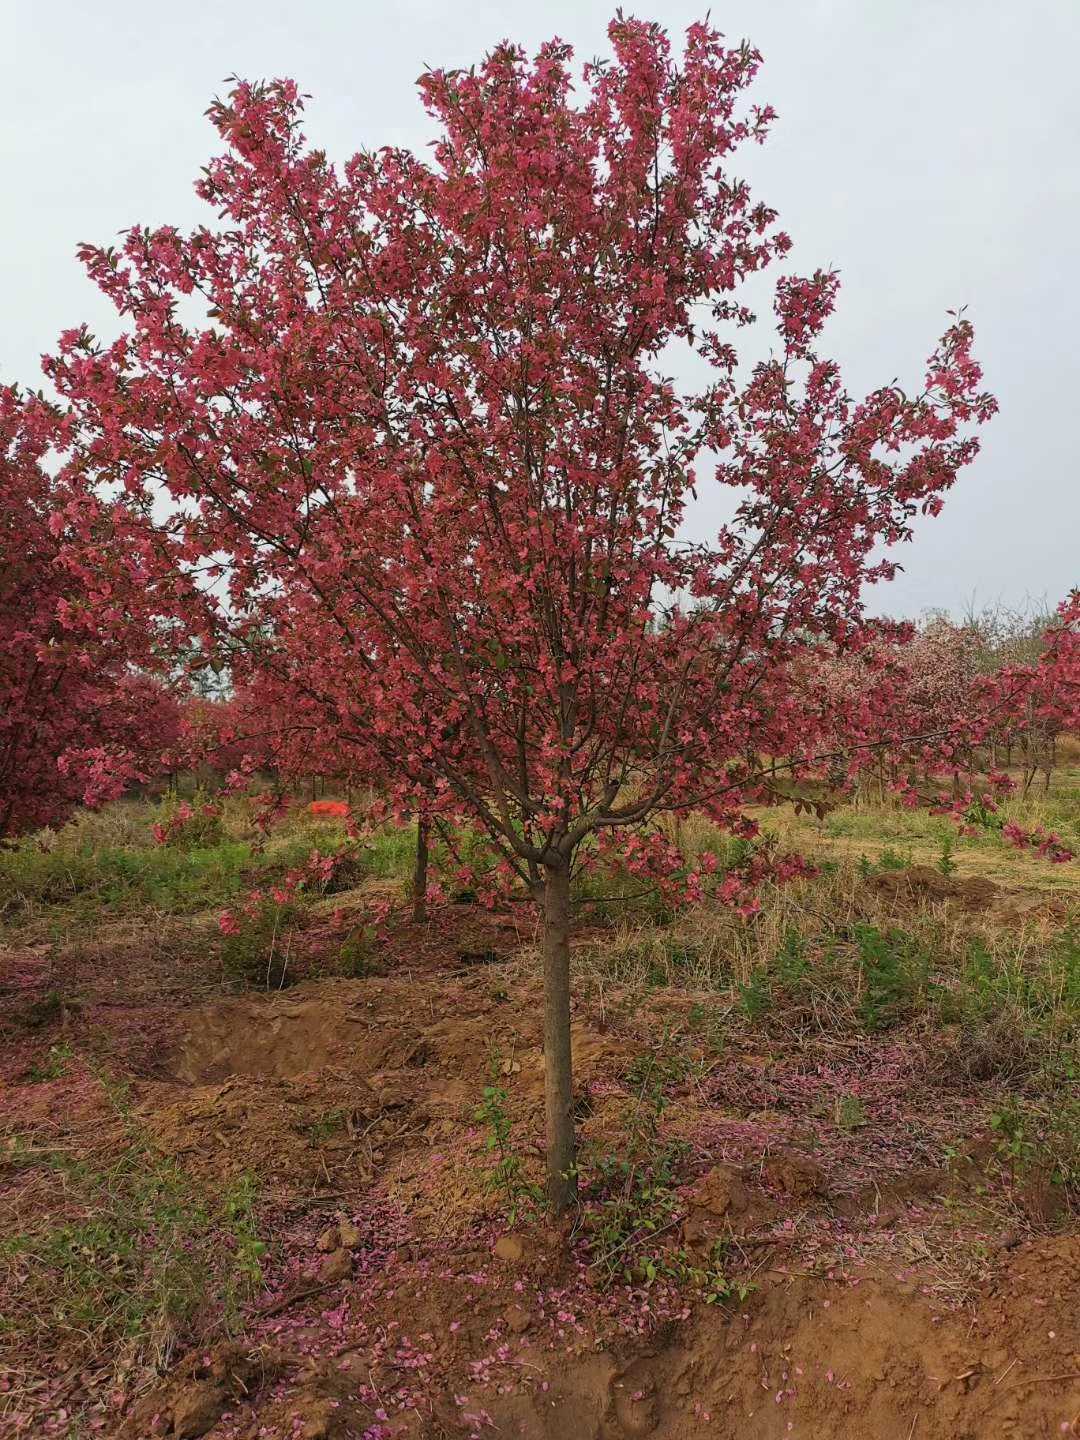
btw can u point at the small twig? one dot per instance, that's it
(293, 1299)
(308, 1202)
(1047, 1379)
(617, 899)
(637, 1235)
(1005, 1372)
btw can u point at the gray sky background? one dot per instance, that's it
(927, 148)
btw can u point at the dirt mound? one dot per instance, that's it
(829, 1361)
(369, 1026)
(199, 1391)
(513, 1348)
(971, 893)
(921, 882)
(292, 1034)
(329, 1079)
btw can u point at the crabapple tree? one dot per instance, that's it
(421, 433)
(910, 706)
(77, 721)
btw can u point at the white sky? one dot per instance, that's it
(927, 148)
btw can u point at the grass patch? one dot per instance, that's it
(141, 1266)
(832, 954)
(109, 866)
(85, 886)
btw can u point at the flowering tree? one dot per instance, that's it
(77, 723)
(1029, 702)
(424, 438)
(907, 696)
(911, 707)
(256, 730)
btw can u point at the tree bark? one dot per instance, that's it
(419, 904)
(558, 1074)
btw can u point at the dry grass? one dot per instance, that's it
(709, 947)
(113, 1257)
(917, 836)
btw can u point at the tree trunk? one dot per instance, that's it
(558, 1075)
(419, 903)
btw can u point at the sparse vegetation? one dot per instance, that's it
(140, 1264)
(505, 1177)
(984, 1006)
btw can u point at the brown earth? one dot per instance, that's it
(969, 893)
(877, 1292)
(808, 1357)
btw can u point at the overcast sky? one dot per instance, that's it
(929, 149)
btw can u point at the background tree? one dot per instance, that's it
(916, 707)
(908, 696)
(1034, 694)
(276, 723)
(77, 721)
(425, 432)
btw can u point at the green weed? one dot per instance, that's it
(849, 1112)
(756, 995)
(663, 1063)
(946, 864)
(506, 1176)
(1041, 1136)
(330, 1123)
(53, 1066)
(144, 1265)
(894, 972)
(358, 954)
(630, 1207)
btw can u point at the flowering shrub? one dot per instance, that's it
(257, 941)
(258, 933)
(190, 825)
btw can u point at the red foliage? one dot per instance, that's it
(425, 443)
(77, 723)
(267, 727)
(913, 707)
(462, 537)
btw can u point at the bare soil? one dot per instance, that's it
(896, 1281)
